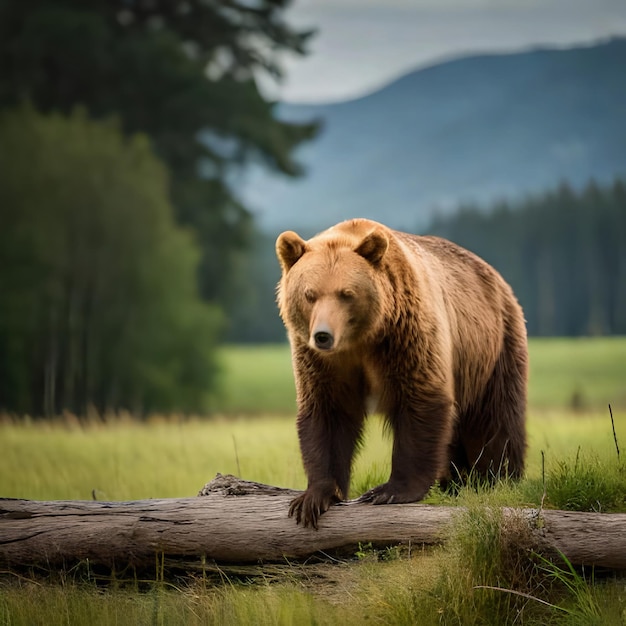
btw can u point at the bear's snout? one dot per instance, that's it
(323, 339)
(326, 323)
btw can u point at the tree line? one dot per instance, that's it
(125, 252)
(98, 298)
(563, 252)
(123, 245)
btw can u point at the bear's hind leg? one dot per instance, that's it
(494, 435)
(458, 467)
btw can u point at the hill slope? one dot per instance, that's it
(474, 129)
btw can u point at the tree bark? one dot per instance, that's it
(240, 522)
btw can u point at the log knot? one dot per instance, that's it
(229, 485)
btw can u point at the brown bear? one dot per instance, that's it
(416, 328)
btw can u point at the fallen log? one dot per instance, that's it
(241, 522)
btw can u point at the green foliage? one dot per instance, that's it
(99, 298)
(253, 318)
(371, 476)
(564, 254)
(189, 606)
(126, 459)
(492, 576)
(182, 73)
(585, 610)
(587, 483)
(483, 575)
(364, 551)
(481, 554)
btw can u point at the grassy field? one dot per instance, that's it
(125, 459)
(256, 379)
(121, 458)
(586, 373)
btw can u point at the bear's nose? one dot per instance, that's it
(323, 340)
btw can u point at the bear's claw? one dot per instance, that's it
(387, 494)
(378, 495)
(308, 507)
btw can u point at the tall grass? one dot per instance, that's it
(32, 604)
(483, 575)
(470, 580)
(125, 459)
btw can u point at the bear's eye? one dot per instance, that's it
(310, 296)
(346, 294)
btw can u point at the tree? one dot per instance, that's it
(563, 252)
(180, 71)
(99, 302)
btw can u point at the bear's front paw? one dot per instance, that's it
(308, 507)
(388, 493)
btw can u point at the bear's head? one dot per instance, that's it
(332, 288)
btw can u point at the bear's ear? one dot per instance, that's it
(289, 248)
(373, 246)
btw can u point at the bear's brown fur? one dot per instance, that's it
(416, 328)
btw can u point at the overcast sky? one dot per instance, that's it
(363, 44)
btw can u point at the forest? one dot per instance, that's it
(126, 253)
(121, 243)
(563, 252)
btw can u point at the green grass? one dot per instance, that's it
(479, 577)
(256, 379)
(587, 372)
(73, 604)
(126, 459)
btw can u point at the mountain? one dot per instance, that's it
(475, 129)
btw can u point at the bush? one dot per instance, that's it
(98, 302)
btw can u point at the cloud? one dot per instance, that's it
(364, 44)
